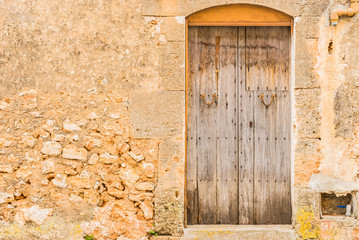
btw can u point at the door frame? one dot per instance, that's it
(237, 15)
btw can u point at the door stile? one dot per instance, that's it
(227, 161)
(206, 131)
(246, 128)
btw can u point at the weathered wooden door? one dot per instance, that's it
(238, 125)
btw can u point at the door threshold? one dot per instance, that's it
(219, 227)
(239, 232)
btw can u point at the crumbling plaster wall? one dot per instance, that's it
(113, 71)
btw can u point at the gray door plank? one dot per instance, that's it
(192, 140)
(206, 129)
(227, 160)
(246, 147)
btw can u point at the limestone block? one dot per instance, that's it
(72, 138)
(148, 169)
(172, 65)
(79, 182)
(91, 143)
(48, 167)
(122, 146)
(128, 176)
(306, 49)
(49, 125)
(6, 168)
(69, 126)
(158, 114)
(305, 198)
(147, 209)
(28, 141)
(346, 102)
(169, 194)
(34, 214)
(313, 8)
(73, 152)
(58, 137)
(92, 116)
(6, 197)
(307, 114)
(145, 186)
(134, 156)
(174, 29)
(306, 75)
(307, 27)
(289, 7)
(140, 197)
(115, 192)
(108, 158)
(51, 148)
(182, 8)
(308, 146)
(305, 165)
(59, 181)
(93, 159)
(5, 142)
(160, 8)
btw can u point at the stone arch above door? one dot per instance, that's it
(239, 15)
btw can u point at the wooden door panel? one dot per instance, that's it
(267, 78)
(214, 181)
(238, 126)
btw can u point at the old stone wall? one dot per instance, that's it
(70, 161)
(92, 116)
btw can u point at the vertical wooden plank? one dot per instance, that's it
(282, 204)
(261, 161)
(192, 141)
(246, 130)
(206, 128)
(227, 161)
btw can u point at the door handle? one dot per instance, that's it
(273, 97)
(214, 99)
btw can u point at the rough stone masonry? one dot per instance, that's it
(92, 116)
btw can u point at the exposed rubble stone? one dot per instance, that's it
(51, 148)
(60, 181)
(6, 197)
(147, 209)
(129, 176)
(108, 158)
(48, 167)
(79, 182)
(137, 158)
(6, 168)
(93, 159)
(34, 214)
(145, 186)
(73, 152)
(69, 126)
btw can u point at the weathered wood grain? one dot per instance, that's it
(192, 140)
(267, 58)
(227, 160)
(246, 130)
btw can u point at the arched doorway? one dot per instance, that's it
(238, 167)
